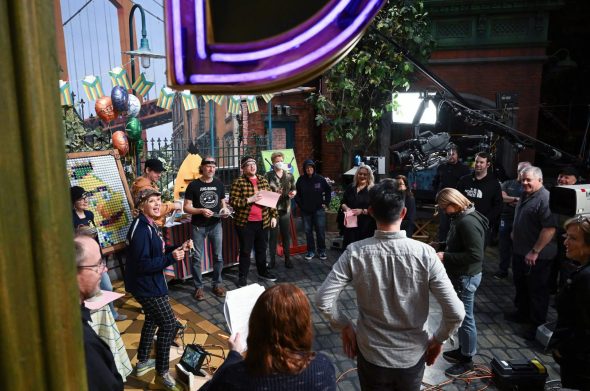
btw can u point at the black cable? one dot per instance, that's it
(77, 12)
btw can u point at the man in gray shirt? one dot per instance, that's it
(534, 248)
(393, 277)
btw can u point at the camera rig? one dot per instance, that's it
(426, 149)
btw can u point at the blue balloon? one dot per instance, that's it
(120, 99)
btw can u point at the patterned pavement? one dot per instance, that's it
(496, 337)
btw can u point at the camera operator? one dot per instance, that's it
(447, 175)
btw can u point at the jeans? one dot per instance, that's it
(214, 233)
(315, 220)
(505, 244)
(466, 287)
(284, 227)
(252, 235)
(105, 285)
(532, 288)
(373, 377)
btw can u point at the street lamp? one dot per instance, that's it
(144, 53)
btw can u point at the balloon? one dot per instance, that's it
(134, 106)
(139, 147)
(120, 98)
(120, 142)
(133, 128)
(104, 109)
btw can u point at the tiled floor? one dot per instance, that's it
(198, 331)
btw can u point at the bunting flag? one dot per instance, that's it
(252, 104)
(234, 104)
(142, 85)
(64, 93)
(166, 98)
(267, 97)
(119, 77)
(189, 100)
(92, 87)
(217, 99)
(207, 98)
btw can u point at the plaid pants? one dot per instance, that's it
(158, 314)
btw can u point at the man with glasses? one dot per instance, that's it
(101, 370)
(534, 248)
(252, 220)
(205, 201)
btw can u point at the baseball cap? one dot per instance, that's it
(569, 171)
(155, 165)
(144, 195)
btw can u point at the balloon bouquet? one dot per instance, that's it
(119, 103)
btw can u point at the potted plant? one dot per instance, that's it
(332, 212)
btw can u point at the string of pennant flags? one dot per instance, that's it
(92, 86)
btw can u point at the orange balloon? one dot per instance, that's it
(104, 109)
(120, 142)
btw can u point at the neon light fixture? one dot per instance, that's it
(282, 61)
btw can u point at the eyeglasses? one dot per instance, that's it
(97, 268)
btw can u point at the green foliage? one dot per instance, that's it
(359, 88)
(335, 202)
(81, 139)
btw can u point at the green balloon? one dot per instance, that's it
(133, 128)
(139, 147)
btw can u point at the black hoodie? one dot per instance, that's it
(485, 193)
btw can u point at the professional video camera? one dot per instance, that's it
(426, 151)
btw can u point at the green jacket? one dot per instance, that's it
(465, 244)
(285, 184)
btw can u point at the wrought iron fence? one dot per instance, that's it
(227, 151)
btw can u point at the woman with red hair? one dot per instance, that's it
(279, 355)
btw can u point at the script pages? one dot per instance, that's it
(237, 308)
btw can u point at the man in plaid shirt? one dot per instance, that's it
(252, 221)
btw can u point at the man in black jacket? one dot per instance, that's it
(447, 175)
(313, 197)
(101, 370)
(484, 190)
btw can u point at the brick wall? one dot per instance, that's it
(506, 70)
(309, 143)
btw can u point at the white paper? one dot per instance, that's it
(170, 222)
(269, 198)
(237, 308)
(101, 299)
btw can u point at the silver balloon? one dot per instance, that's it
(134, 106)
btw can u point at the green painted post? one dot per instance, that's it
(40, 326)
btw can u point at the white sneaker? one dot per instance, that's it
(167, 382)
